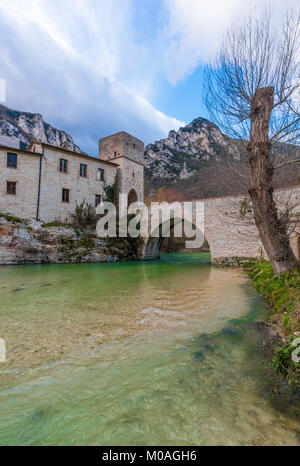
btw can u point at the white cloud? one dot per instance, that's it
(193, 32)
(195, 28)
(78, 63)
(92, 67)
(2, 90)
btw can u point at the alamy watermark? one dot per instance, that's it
(156, 220)
(2, 350)
(296, 352)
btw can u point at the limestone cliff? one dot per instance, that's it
(178, 154)
(199, 161)
(17, 129)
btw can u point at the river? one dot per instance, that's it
(145, 353)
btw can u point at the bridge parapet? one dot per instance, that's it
(230, 230)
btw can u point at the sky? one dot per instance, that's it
(96, 67)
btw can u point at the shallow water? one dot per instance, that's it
(157, 353)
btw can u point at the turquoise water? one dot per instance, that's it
(157, 353)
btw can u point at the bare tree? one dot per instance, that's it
(252, 91)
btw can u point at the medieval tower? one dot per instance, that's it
(128, 153)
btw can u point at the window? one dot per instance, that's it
(12, 160)
(11, 187)
(115, 154)
(63, 166)
(83, 170)
(97, 199)
(100, 174)
(65, 195)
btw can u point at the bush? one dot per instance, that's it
(84, 215)
(11, 218)
(284, 364)
(110, 192)
(283, 294)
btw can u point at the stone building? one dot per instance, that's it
(128, 153)
(45, 182)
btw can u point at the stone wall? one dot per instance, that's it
(131, 176)
(81, 188)
(232, 236)
(124, 149)
(228, 234)
(121, 145)
(26, 176)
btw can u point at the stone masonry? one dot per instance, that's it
(39, 183)
(231, 235)
(128, 153)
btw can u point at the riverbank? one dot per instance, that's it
(283, 295)
(29, 242)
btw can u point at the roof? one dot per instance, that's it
(121, 132)
(78, 154)
(49, 146)
(132, 160)
(13, 149)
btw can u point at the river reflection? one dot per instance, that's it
(140, 353)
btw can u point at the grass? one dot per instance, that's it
(11, 218)
(55, 224)
(283, 294)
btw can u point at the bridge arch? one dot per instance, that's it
(154, 241)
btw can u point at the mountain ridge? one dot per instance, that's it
(199, 161)
(18, 129)
(196, 161)
(178, 154)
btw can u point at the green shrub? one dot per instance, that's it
(283, 363)
(283, 294)
(55, 224)
(84, 215)
(11, 218)
(110, 192)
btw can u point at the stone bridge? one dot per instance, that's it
(229, 228)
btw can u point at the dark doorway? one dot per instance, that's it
(132, 197)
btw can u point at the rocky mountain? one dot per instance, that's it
(200, 161)
(18, 129)
(196, 161)
(181, 153)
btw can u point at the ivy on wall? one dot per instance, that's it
(110, 192)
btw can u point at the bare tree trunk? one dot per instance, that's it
(272, 231)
